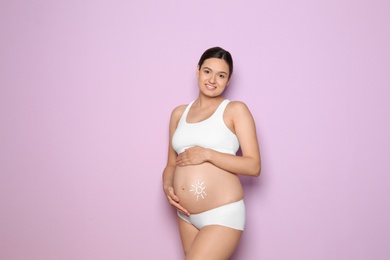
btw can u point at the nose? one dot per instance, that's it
(212, 78)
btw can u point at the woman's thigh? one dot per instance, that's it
(187, 234)
(214, 242)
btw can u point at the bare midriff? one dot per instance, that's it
(205, 186)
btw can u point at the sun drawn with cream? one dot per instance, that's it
(198, 190)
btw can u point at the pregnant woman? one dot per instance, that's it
(201, 177)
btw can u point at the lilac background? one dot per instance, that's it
(87, 88)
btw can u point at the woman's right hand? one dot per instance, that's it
(174, 200)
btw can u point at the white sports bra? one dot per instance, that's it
(210, 133)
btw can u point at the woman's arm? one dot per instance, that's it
(244, 126)
(169, 170)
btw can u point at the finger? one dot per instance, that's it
(180, 163)
(182, 209)
(176, 204)
(180, 158)
(171, 195)
(175, 198)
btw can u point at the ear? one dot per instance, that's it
(197, 71)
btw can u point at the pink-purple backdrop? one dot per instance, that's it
(87, 88)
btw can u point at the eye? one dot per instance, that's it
(222, 76)
(206, 71)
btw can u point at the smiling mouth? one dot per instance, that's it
(210, 87)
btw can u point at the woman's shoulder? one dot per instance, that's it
(237, 106)
(238, 110)
(178, 111)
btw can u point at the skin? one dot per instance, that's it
(213, 78)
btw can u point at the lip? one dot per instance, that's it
(210, 87)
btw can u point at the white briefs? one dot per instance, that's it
(230, 215)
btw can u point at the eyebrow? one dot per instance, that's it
(218, 72)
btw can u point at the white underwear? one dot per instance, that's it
(231, 215)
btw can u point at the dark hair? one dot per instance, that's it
(219, 53)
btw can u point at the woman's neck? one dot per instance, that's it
(203, 101)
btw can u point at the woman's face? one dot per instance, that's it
(213, 77)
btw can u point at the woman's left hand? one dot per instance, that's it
(192, 156)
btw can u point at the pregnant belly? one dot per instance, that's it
(205, 186)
